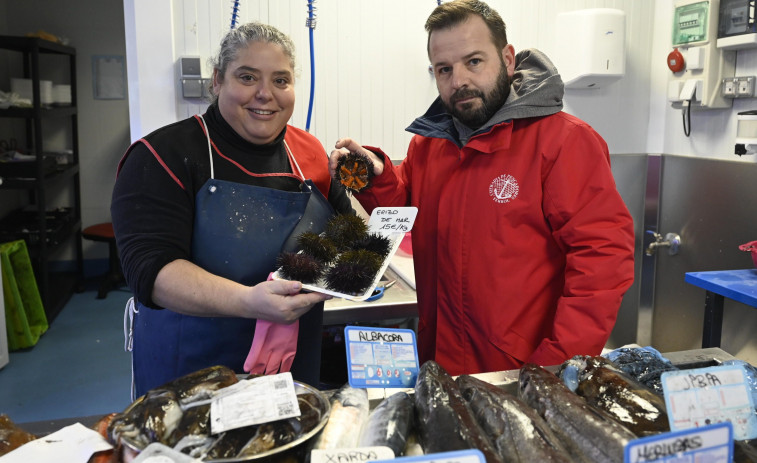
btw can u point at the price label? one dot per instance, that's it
(355, 455)
(381, 357)
(254, 401)
(389, 220)
(460, 456)
(705, 396)
(709, 443)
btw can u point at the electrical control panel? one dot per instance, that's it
(737, 26)
(697, 66)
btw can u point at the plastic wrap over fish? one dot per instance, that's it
(751, 376)
(645, 364)
(390, 423)
(349, 411)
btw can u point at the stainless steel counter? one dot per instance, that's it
(398, 302)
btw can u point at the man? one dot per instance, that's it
(523, 247)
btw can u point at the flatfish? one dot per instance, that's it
(389, 424)
(349, 410)
(518, 432)
(588, 433)
(602, 384)
(445, 422)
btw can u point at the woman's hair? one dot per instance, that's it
(243, 36)
(451, 14)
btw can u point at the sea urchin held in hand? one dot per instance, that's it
(317, 246)
(353, 271)
(300, 267)
(355, 171)
(345, 229)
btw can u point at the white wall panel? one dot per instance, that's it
(372, 80)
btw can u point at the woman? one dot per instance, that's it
(202, 208)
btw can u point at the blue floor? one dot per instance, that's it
(78, 368)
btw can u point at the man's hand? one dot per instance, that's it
(346, 145)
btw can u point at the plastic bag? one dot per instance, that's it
(25, 317)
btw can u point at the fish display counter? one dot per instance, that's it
(587, 409)
(508, 379)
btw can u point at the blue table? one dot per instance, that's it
(739, 285)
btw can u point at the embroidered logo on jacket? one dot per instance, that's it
(503, 189)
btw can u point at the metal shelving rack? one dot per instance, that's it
(55, 287)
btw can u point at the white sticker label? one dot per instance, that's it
(711, 443)
(459, 456)
(705, 396)
(355, 455)
(389, 220)
(254, 401)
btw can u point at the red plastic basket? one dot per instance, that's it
(751, 247)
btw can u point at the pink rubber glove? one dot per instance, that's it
(273, 348)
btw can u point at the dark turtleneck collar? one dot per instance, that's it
(215, 120)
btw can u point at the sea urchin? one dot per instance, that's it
(353, 271)
(355, 171)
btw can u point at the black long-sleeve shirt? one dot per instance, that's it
(153, 216)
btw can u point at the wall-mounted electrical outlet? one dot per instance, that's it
(728, 88)
(745, 87)
(737, 87)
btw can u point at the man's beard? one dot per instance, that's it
(490, 103)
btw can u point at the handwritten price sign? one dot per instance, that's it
(389, 220)
(705, 396)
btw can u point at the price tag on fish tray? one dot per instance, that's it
(458, 456)
(709, 443)
(254, 401)
(381, 357)
(705, 396)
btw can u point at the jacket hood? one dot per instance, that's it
(536, 90)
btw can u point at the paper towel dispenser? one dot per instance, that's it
(591, 47)
(746, 133)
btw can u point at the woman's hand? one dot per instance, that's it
(280, 301)
(346, 145)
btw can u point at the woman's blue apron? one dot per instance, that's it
(239, 231)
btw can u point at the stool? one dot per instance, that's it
(114, 278)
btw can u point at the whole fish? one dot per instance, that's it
(444, 420)
(151, 418)
(588, 433)
(518, 432)
(253, 440)
(349, 410)
(602, 384)
(389, 423)
(157, 415)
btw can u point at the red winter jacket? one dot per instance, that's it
(523, 247)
